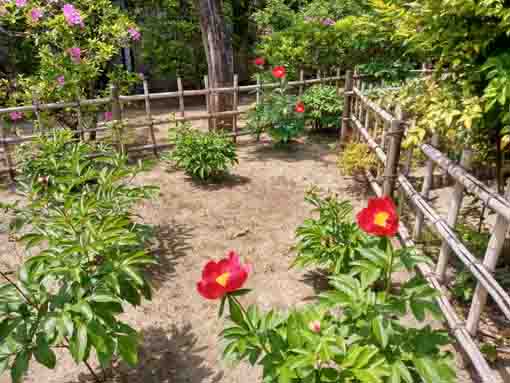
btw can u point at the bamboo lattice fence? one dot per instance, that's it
(117, 104)
(383, 131)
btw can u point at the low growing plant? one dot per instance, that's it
(355, 158)
(205, 156)
(323, 106)
(84, 258)
(353, 334)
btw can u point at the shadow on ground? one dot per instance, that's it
(172, 242)
(317, 279)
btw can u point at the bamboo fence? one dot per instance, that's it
(383, 132)
(117, 104)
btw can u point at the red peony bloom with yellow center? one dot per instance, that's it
(279, 71)
(379, 218)
(225, 276)
(300, 107)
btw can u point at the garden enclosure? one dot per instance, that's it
(383, 131)
(120, 125)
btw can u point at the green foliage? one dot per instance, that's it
(205, 156)
(331, 240)
(354, 333)
(356, 158)
(323, 105)
(276, 115)
(84, 260)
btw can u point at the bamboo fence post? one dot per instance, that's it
(425, 189)
(346, 116)
(259, 89)
(337, 82)
(490, 261)
(301, 82)
(391, 168)
(453, 213)
(319, 76)
(37, 111)
(403, 116)
(7, 154)
(234, 106)
(181, 96)
(117, 116)
(149, 114)
(80, 120)
(208, 100)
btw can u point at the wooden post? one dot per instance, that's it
(234, 106)
(391, 168)
(453, 213)
(149, 114)
(301, 80)
(7, 154)
(403, 116)
(80, 120)
(490, 261)
(37, 111)
(425, 189)
(259, 89)
(208, 101)
(117, 116)
(319, 75)
(337, 82)
(181, 96)
(346, 116)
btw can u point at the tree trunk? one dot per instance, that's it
(218, 48)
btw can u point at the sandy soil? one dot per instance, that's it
(256, 212)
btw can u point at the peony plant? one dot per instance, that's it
(280, 114)
(352, 334)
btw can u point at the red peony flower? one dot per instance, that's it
(225, 276)
(300, 107)
(259, 61)
(279, 71)
(379, 218)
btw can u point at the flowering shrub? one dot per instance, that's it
(72, 45)
(205, 156)
(279, 113)
(85, 257)
(363, 342)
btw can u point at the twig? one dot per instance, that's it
(19, 290)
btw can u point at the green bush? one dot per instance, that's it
(205, 156)
(85, 257)
(323, 106)
(356, 158)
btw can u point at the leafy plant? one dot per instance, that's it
(323, 106)
(355, 158)
(205, 156)
(84, 259)
(278, 114)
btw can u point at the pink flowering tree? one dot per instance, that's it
(73, 44)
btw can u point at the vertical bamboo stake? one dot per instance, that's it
(346, 116)
(117, 117)
(234, 106)
(391, 168)
(453, 213)
(149, 114)
(181, 96)
(319, 76)
(337, 82)
(425, 189)
(301, 82)
(80, 120)
(7, 154)
(490, 261)
(208, 100)
(259, 89)
(37, 112)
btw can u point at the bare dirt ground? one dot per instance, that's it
(255, 212)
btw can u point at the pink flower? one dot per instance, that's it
(315, 326)
(328, 22)
(36, 14)
(21, 3)
(61, 80)
(108, 116)
(15, 116)
(72, 15)
(134, 33)
(75, 54)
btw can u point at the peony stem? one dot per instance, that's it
(390, 264)
(251, 325)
